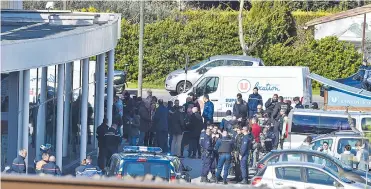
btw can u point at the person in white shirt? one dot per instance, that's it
(325, 149)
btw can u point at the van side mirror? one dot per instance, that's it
(202, 70)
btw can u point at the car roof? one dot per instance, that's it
(298, 151)
(148, 156)
(301, 164)
(236, 57)
(328, 112)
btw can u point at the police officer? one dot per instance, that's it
(112, 141)
(244, 155)
(224, 147)
(51, 168)
(278, 107)
(19, 165)
(80, 168)
(42, 162)
(215, 136)
(89, 170)
(278, 127)
(207, 154)
(44, 149)
(101, 131)
(236, 153)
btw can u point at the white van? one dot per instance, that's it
(223, 83)
(304, 122)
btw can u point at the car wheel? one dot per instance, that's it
(180, 87)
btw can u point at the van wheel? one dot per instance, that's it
(180, 87)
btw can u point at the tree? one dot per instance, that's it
(240, 29)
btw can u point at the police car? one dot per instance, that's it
(140, 160)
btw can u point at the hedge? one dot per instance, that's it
(204, 33)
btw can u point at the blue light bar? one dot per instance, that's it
(142, 149)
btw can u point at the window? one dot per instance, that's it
(159, 170)
(314, 124)
(317, 144)
(239, 63)
(134, 169)
(199, 64)
(315, 176)
(273, 160)
(207, 85)
(291, 157)
(366, 124)
(323, 161)
(351, 141)
(118, 80)
(289, 173)
(214, 64)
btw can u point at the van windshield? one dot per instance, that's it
(199, 64)
(314, 124)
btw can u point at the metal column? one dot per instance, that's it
(26, 109)
(96, 98)
(60, 91)
(110, 94)
(84, 108)
(67, 105)
(101, 64)
(41, 113)
(20, 111)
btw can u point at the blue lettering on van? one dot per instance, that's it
(266, 87)
(229, 102)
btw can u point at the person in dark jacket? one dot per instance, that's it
(269, 105)
(101, 131)
(134, 123)
(112, 141)
(279, 105)
(160, 121)
(195, 101)
(240, 109)
(244, 155)
(80, 168)
(145, 120)
(176, 128)
(254, 100)
(170, 105)
(196, 126)
(278, 127)
(207, 154)
(51, 168)
(89, 169)
(208, 112)
(19, 165)
(224, 147)
(298, 103)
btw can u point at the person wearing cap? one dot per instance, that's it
(314, 106)
(254, 100)
(298, 104)
(240, 109)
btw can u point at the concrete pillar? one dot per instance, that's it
(20, 108)
(14, 143)
(101, 64)
(41, 114)
(84, 108)
(67, 105)
(26, 110)
(60, 91)
(96, 96)
(111, 59)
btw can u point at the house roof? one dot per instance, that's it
(340, 86)
(345, 14)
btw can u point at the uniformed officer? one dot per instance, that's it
(224, 147)
(89, 170)
(19, 165)
(112, 141)
(42, 162)
(51, 168)
(236, 153)
(244, 155)
(207, 154)
(215, 136)
(44, 149)
(80, 168)
(278, 127)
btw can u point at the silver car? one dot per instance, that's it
(175, 80)
(302, 175)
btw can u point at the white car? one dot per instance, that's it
(302, 175)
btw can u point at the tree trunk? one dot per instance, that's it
(240, 29)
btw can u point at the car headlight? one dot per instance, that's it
(171, 77)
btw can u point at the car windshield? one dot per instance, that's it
(199, 64)
(135, 169)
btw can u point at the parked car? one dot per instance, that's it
(175, 80)
(311, 156)
(119, 82)
(140, 160)
(338, 140)
(302, 175)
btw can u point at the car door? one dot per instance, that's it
(316, 178)
(288, 177)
